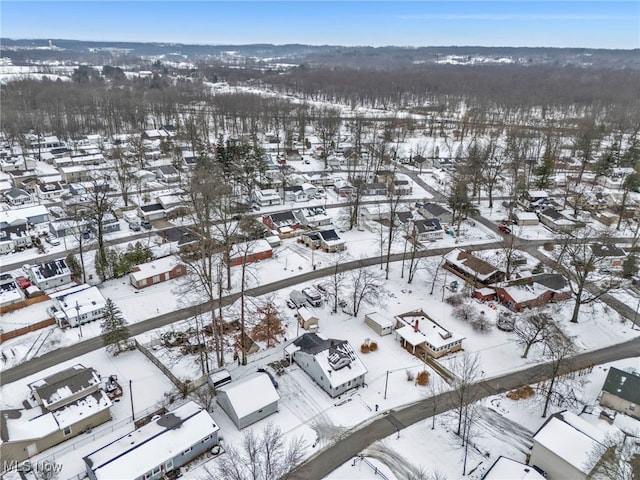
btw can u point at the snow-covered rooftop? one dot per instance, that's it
(155, 267)
(134, 454)
(243, 394)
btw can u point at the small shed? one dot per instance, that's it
(307, 319)
(379, 323)
(249, 400)
(219, 378)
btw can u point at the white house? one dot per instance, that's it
(563, 446)
(332, 364)
(154, 450)
(267, 196)
(313, 217)
(427, 230)
(78, 305)
(50, 274)
(240, 401)
(419, 330)
(17, 197)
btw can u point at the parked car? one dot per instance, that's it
(134, 227)
(273, 380)
(26, 267)
(145, 224)
(52, 240)
(255, 207)
(504, 228)
(23, 282)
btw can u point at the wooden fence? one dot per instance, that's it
(4, 336)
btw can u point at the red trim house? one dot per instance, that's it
(249, 252)
(283, 222)
(156, 271)
(534, 292)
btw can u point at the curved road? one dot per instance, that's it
(359, 438)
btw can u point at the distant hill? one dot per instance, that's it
(41, 50)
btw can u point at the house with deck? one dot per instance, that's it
(332, 364)
(156, 271)
(472, 269)
(420, 333)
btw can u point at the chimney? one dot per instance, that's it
(416, 325)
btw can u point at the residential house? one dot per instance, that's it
(427, 230)
(609, 256)
(621, 392)
(77, 306)
(535, 199)
(17, 197)
(284, 222)
(615, 178)
(50, 274)
(534, 291)
(64, 228)
(424, 334)
(332, 364)
(433, 210)
(343, 189)
(310, 239)
(403, 217)
(295, 194)
(558, 222)
(313, 217)
(474, 270)
(110, 223)
(154, 211)
(400, 187)
(322, 179)
(563, 447)
(158, 449)
(51, 191)
(292, 155)
(266, 197)
(75, 173)
(167, 174)
(249, 252)
(156, 271)
(144, 177)
(373, 189)
(10, 293)
(330, 241)
(239, 400)
(62, 406)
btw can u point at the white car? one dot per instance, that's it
(53, 240)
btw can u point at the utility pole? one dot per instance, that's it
(78, 317)
(131, 395)
(386, 383)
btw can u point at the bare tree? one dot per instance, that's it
(336, 280)
(466, 372)
(631, 183)
(269, 326)
(533, 328)
(99, 206)
(367, 286)
(123, 173)
(205, 396)
(558, 348)
(261, 456)
(577, 261)
(612, 459)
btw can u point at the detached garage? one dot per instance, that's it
(248, 400)
(379, 323)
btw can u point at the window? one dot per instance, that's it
(168, 466)
(187, 450)
(67, 431)
(156, 470)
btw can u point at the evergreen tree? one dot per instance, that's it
(115, 331)
(74, 266)
(545, 170)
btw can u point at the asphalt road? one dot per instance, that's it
(358, 439)
(52, 358)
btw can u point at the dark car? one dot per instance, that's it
(273, 380)
(134, 227)
(145, 224)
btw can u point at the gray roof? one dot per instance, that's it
(76, 379)
(552, 281)
(429, 225)
(312, 344)
(600, 250)
(16, 192)
(623, 384)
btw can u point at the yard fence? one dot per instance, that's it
(4, 336)
(182, 386)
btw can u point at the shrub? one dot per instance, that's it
(373, 346)
(365, 348)
(423, 378)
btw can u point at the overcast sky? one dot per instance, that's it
(593, 24)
